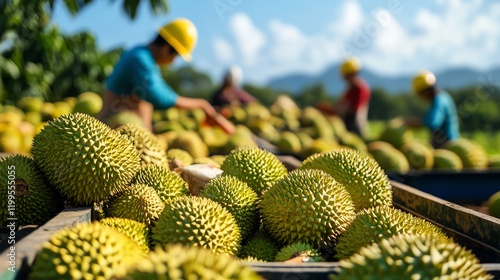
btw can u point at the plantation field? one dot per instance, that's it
(490, 140)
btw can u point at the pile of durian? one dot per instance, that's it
(336, 206)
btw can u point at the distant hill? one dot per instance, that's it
(452, 78)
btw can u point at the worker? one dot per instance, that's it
(230, 93)
(441, 118)
(353, 104)
(136, 83)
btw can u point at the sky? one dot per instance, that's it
(269, 39)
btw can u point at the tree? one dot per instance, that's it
(129, 6)
(312, 95)
(189, 82)
(36, 60)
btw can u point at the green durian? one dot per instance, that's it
(197, 221)
(258, 168)
(306, 206)
(84, 159)
(360, 174)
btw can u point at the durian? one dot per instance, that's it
(167, 184)
(412, 257)
(238, 198)
(137, 231)
(360, 174)
(260, 247)
(197, 221)
(299, 249)
(139, 203)
(85, 159)
(472, 154)
(306, 206)
(446, 160)
(86, 251)
(258, 168)
(178, 262)
(374, 224)
(25, 194)
(148, 146)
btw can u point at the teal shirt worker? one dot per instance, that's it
(137, 86)
(441, 119)
(137, 72)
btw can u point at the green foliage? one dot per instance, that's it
(129, 6)
(37, 60)
(190, 82)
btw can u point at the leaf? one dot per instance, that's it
(72, 6)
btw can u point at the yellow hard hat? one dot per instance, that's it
(350, 66)
(182, 35)
(423, 80)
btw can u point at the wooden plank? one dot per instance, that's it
(477, 231)
(26, 249)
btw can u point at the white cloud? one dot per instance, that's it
(456, 33)
(249, 38)
(223, 50)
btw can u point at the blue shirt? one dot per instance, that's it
(442, 119)
(137, 73)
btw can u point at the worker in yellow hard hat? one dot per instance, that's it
(353, 105)
(136, 83)
(441, 118)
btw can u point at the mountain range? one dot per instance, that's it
(448, 79)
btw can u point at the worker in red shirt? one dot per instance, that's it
(353, 105)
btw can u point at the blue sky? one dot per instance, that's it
(273, 38)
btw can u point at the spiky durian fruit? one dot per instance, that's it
(307, 206)
(353, 141)
(181, 262)
(472, 154)
(137, 231)
(85, 159)
(218, 158)
(260, 247)
(197, 221)
(167, 184)
(412, 257)
(447, 160)
(289, 142)
(374, 224)
(191, 142)
(396, 134)
(419, 156)
(238, 198)
(178, 158)
(33, 201)
(251, 260)
(236, 140)
(494, 162)
(139, 203)
(388, 157)
(493, 205)
(317, 146)
(254, 166)
(146, 143)
(124, 117)
(299, 249)
(86, 251)
(337, 124)
(360, 174)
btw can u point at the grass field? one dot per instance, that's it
(490, 140)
